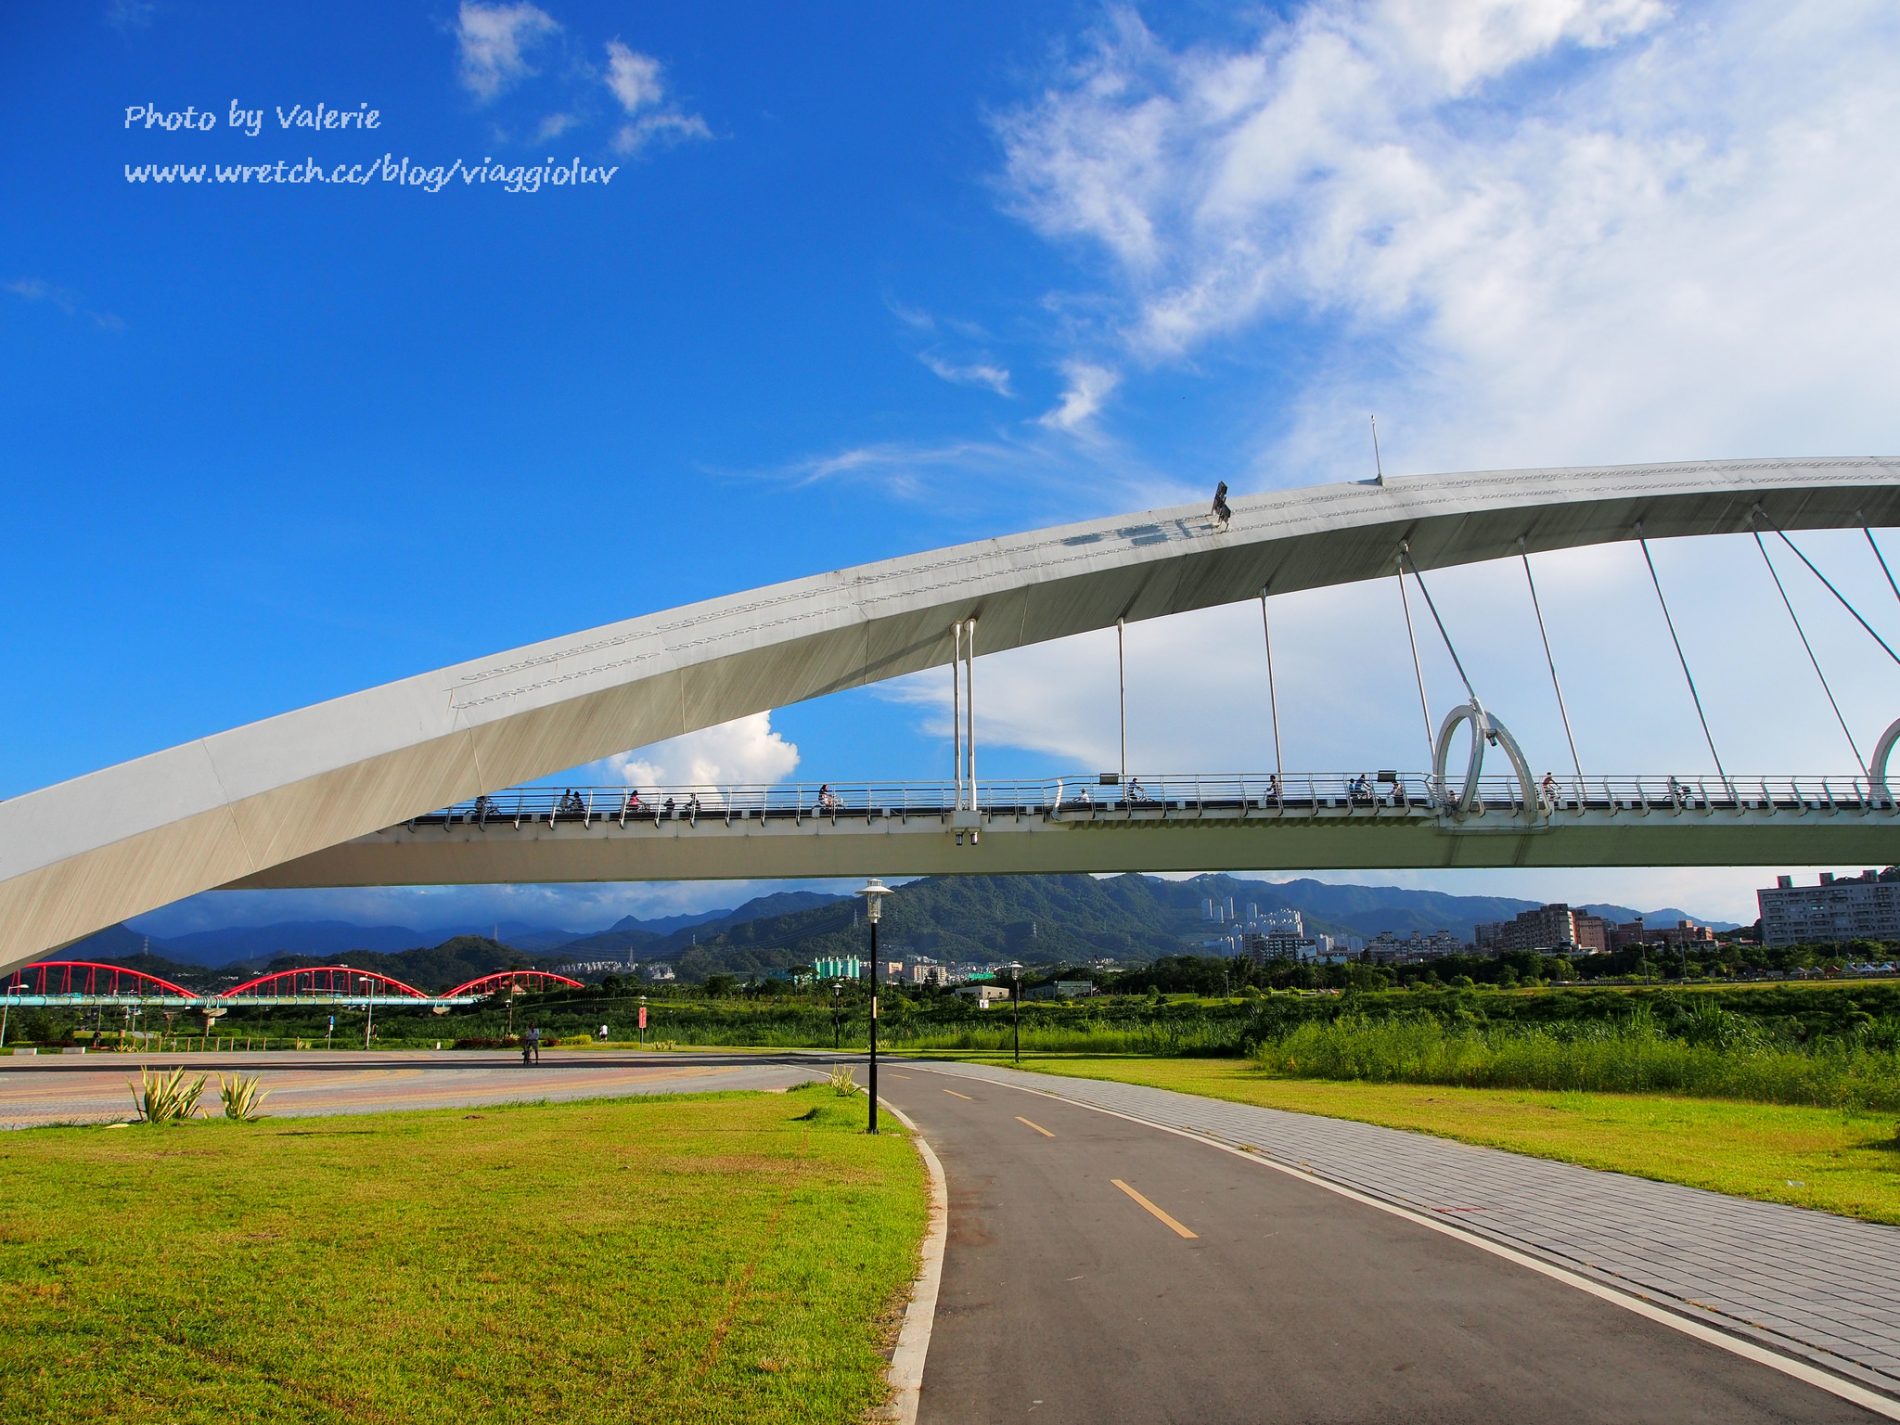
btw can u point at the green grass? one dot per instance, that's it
(1840, 1161)
(707, 1258)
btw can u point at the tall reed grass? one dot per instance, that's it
(1714, 1059)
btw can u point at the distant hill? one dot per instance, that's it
(1667, 916)
(255, 944)
(1052, 919)
(666, 936)
(1036, 919)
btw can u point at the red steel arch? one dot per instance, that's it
(321, 980)
(62, 972)
(514, 977)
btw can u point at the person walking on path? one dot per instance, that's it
(527, 1052)
(534, 1041)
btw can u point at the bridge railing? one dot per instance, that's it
(1386, 793)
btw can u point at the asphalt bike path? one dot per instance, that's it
(1103, 1270)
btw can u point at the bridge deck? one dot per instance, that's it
(1152, 824)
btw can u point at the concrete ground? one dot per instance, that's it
(92, 1088)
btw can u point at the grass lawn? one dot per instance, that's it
(1837, 1161)
(710, 1258)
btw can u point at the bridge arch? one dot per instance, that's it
(303, 981)
(84, 854)
(490, 984)
(91, 972)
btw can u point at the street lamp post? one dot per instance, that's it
(1016, 1005)
(6, 1007)
(837, 1033)
(874, 892)
(369, 1003)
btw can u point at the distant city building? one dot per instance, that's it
(1284, 922)
(1061, 989)
(1386, 948)
(984, 995)
(591, 967)
(657, 972)
(1863, 907)
(838, 967)
(1683, 932)
(1554, 928)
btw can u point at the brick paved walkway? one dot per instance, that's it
(1823, 1287)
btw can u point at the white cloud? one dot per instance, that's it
(1562, 232)
(655, 128)
(975, 373)
(496, 41)
(553, 126)
(1088, 386)
(126, 16)
(745, 752)
(35, 289)
(1581, 227)
(636, 82)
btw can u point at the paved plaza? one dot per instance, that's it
(92, 1088)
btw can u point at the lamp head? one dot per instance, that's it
(874, 892)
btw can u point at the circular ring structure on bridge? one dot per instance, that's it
(1484, 729)
(232, 808)
(1877, 765)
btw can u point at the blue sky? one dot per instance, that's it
(870, 280)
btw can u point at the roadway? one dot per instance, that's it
(1100, 1269)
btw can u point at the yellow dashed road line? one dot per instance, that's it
(1176, 1226)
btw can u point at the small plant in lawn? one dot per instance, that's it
(166, 1098)
(243, 1098)
(842, 1083)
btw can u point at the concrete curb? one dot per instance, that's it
(906, 1371)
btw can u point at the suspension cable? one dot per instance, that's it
(1762, 514)
(969, 708)
(1273, 700)
(1405, 553)
(1523, 552)
(1864, 529)
(1683, 659)
(1417, 669)
(1786, 603)
(1121, 676)
(956, 710)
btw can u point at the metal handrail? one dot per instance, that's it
(1161, 794)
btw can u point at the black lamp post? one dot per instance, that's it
(874, 892)
(837, 1034)
(1016, 1005)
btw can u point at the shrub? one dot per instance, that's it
(842, 1083)
(243, 1098)
(166, 1098)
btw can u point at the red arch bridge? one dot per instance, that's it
(87, 983)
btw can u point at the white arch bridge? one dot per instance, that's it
(380, 787)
